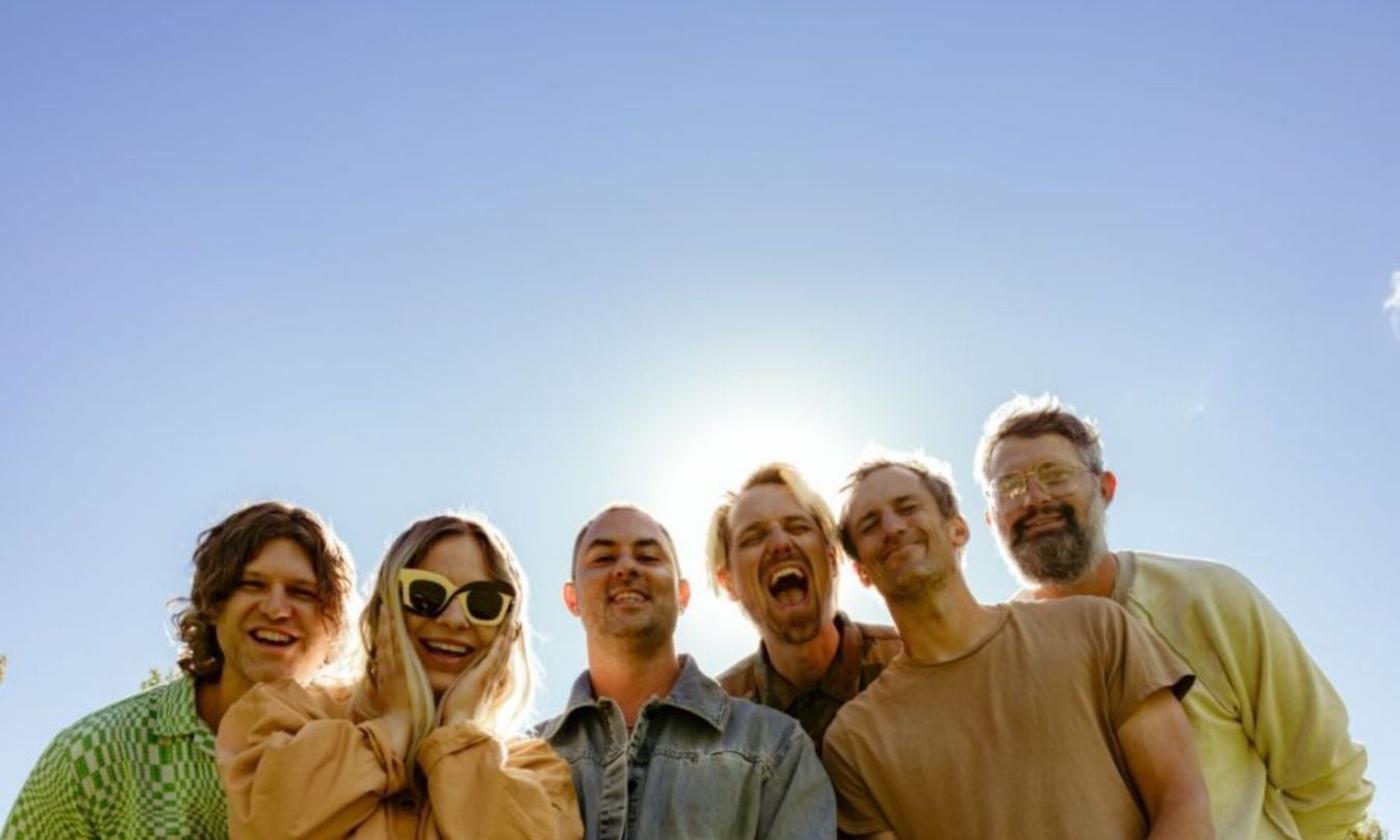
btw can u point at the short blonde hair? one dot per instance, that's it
(777, 473)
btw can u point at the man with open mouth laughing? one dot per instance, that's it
(1269, 727)
(656, 748)
(773, 548)
(267, 601)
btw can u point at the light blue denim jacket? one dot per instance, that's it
(697, 764)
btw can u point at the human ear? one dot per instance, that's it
(1108, 487)
(958, 531)
(725, 584)
(571, 597)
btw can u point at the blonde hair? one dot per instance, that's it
(782, 475)
(509, 700)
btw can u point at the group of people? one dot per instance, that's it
(1121, 694)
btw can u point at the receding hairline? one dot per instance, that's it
(580, 548)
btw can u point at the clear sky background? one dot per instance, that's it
(381, 261)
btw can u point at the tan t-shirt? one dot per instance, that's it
(1014, 739)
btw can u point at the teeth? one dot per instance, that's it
(629, 597)
(786, 573)
(273, 636)
(450, 648)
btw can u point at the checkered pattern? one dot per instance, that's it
(140, 768)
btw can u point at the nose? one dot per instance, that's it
(892, 523)
(1035, 494)
(778, 542)
(455, 616)
(625, 567)
(275, 604)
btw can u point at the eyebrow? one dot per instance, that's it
(601, 542)
(897, 500)
(293, 581)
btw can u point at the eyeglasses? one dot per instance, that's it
(1054, 478)
(429, 594)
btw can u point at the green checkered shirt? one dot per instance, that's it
(142, 767)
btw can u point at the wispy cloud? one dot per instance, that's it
(1392, 304)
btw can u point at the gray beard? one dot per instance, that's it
(1056, 558)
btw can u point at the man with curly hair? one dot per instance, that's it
(268, 601)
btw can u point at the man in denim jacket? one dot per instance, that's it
(657, 748)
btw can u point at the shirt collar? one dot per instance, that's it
(841, 681)
(1123, 584)
(176, 713)
(693, 693)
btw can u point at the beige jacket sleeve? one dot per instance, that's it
(294, 765)
(481, 788)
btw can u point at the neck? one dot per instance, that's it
(944, 622)
(1098, 580)
(214, 697)
(631, 677)
(805, 664)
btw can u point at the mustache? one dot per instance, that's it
(1061, 509)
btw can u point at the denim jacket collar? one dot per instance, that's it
(693, 693)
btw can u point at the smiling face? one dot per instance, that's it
(450, 643)
(272, 625)
(904, 545)
(626, 584)
(1050, 538)
(780, 566)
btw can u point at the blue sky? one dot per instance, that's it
(382, 261)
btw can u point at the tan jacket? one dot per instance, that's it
(296, 764)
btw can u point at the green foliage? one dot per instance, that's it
(155, 678)
(1368, 830)
(3, 662)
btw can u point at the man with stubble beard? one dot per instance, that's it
(773, 548)
(656, 748)
(1270, 730)
(1052, 720)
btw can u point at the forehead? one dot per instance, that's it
(764, 501)
(458, 558)
(1018, 453)
(281, 557)
(884, 485)
(623, 526)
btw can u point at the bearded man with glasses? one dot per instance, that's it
(1270, 730)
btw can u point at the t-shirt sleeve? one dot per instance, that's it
(1137, 663)
(857, 812)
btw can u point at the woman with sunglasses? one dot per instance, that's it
(420, 746)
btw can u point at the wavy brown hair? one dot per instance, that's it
(224, 550)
